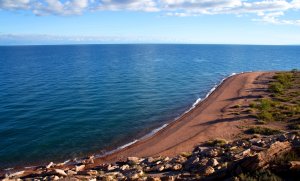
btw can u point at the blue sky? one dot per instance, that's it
(149, 21)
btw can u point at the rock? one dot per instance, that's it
(147, 169)
(168, 178)
(50, 165)
(243, 154)
(54, 177)
(79, 168)
(177, 167)
(255, 141)
(263, 158)
(179, 159)
(256, 148)
(282, 138)
(211, 153)
(124, 167)
(159, 162)
(168, 166)
(133, 160)
(111, 167)
(291, 137)
(60, 172)
(60, 164)
(295, 165)
(191, 162)
(208, 170)
(153, 179)
(16, 174)
(212, 162)
(166, 159)
(8, 179)
(140, 173)
(203, 162)
(158, 168)
(70, 173)
(233, 148)
(150, 160)
(133, 176)
(92, 172)
(108, 178)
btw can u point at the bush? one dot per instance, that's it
(186, 154)
(263, 131)
(276, 87)
(265, 116)
(284, 79)
(216, 142)
(294, 70)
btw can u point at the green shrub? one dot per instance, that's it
(276, 87)
(265, 116)
(216, 142)
(284, 78)
(186, 154)
(263, 131)
(236, 106)
(260, 122)
(294, 70)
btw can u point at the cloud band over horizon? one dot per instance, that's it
(269, 11)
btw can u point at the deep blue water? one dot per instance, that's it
(60, 102)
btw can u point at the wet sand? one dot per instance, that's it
(212, 118)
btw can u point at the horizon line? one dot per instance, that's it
(78, 44)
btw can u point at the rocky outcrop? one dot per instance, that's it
(216, 162)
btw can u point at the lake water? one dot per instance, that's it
(61, 102)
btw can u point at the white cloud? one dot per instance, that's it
(131, 5)
(271, 11)
(14, 4)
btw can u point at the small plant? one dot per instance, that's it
(276, 87)
(253, 105)
(186, 154)
(294, 71)
(263, 131)
(284, 78)
(236, 106)
(261, 122)
(265, 116)
(216, 142)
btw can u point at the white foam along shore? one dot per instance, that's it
(153, 132)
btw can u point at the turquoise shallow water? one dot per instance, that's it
(61, 102)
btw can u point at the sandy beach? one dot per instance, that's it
(210, 119)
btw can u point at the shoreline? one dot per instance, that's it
(165, 126)
(136, 148)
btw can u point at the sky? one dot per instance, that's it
(33, 22)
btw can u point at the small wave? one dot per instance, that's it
(155, 131)
(126, 145)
